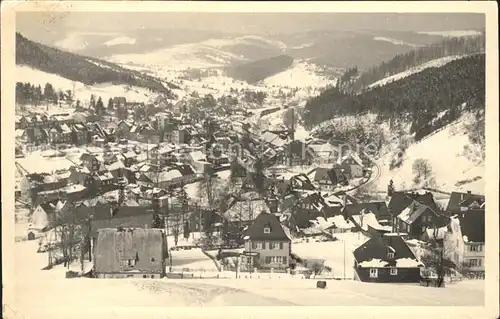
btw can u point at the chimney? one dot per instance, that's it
(469, 192)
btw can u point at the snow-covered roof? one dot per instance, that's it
(273, 139)
(407, 263)
(369, 219)
(74, 188)
(115, 166)
(197, 156)
(325, 149)
(65, 129)
(373, 263)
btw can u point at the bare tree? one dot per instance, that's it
(69, 235)
(422, 172)
(436, 257)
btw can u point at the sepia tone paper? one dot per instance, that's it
(15, 284)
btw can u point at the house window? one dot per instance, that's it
(272, 245)
(267, 230)
(281, 245)
(131, 262)
(394, 271)
(473, 263)
(390, 255)
(144, 276)
(373, 273)
(284, 260)
(258, 245)
(152, 276)
(457, 242)
(479, 262)
(476, 248)
(278, 259)
(152, 259)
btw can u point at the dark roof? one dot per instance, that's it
(125, 216)
(87, 156)
(377, 248)
(378, 208)
(126, 211)
(256, 230)
(49, 207)
(295, 147)
(458, 200)
(472, 225)
(321, 173)
(119, 99)
(301, 181)
(400, 200)
(186, 170)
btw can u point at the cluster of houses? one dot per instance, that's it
(111, 195)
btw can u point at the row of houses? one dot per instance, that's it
(76, 133)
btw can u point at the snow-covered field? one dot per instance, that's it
(301, 74)
(431, 64)
(193, 259)
(444, 151)
(336, 254)
(47, 294)
(82, 91)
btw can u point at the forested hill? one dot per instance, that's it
(259, 70)
(82, 69)
(428, 100)
(402, 62)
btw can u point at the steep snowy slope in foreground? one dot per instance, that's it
(444, 150)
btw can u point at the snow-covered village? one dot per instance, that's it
(206, 168)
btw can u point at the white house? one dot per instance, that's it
(465, 239)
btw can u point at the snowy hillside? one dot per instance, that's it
(452, 169)
(82, 91)
(204, 54)
(394, 41)
(431, 64)
(301, 74)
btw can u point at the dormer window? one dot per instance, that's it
(390, 252)
(267, 230)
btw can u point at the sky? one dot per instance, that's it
(260, 23)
